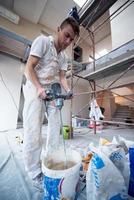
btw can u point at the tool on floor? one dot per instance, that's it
(55, 94)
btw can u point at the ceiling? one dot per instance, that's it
(51, 13)
(46, 12)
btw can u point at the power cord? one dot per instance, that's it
(13, 100)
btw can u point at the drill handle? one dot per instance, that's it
(60, 96)
(68, 95)
(49, 95)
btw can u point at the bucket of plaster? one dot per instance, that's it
(61, 178)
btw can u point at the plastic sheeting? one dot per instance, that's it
(14, 183)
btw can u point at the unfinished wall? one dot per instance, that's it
(127, 78)
(125, 102)
(122, 26)
(128, 93)
(11, 73)
(107, 101)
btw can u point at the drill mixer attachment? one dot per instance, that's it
(55, 94)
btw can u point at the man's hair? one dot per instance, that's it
(74, 24)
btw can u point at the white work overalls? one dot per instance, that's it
(33, 114)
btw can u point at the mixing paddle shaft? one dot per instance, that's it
(55, 94)
(64, 145)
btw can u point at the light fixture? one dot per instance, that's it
(80, 3)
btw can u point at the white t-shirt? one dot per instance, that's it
(50, 63)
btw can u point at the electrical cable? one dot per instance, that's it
(13, 100)
(114, 14)
(106, 20)
(121, 10)
(82, 6)
(5, 161)
(122, 74)
(82, 108)
(21, 176)
(93, 13)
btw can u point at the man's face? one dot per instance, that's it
(65, 36)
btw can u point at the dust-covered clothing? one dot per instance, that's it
(47, 71)
(50, 62)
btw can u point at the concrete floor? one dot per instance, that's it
(14, 183)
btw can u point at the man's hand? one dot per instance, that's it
(69, 94)
(41, 93)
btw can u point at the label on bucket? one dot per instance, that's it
(57, 189)
(51, 191)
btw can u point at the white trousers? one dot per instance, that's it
(33, 115)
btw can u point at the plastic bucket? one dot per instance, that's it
(61, 183)
(66, 132)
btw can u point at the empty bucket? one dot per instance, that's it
(61, 181)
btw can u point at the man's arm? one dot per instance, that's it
(30, 72)
(63, 80)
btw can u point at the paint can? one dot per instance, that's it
(60, 182)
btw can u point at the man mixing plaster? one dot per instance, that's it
(46, 64)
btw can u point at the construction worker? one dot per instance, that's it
(46, 64)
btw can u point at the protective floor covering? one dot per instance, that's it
(14, 182)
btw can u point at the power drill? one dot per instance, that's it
(55, 94)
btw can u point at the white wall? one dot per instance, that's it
(24, 28)
(11, 71)
(122, 26)
(106, 43)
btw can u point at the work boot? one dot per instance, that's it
(38, 182)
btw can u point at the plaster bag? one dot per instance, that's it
(104, 180)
